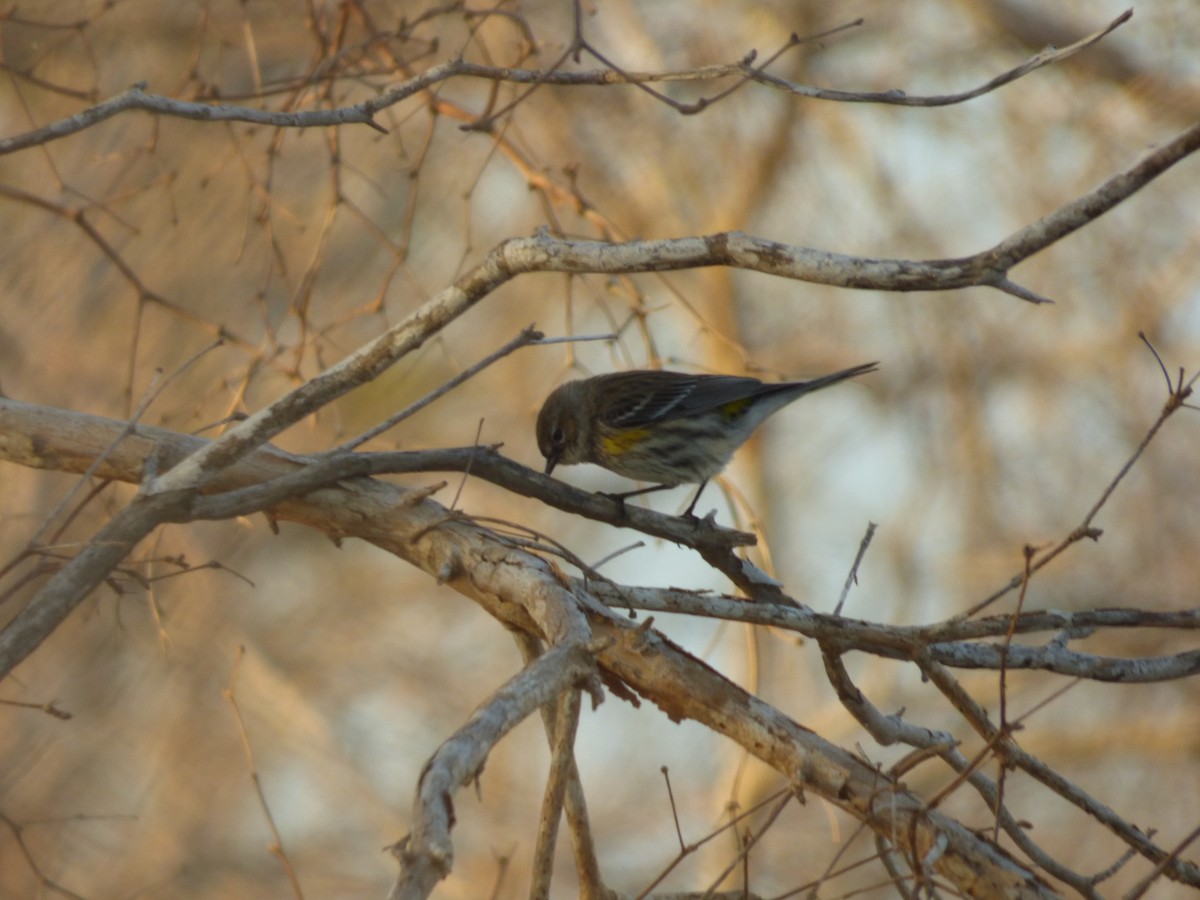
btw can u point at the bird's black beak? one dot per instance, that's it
(551, 462)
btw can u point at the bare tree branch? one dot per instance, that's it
(136, 97)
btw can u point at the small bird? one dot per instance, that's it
(670, 428)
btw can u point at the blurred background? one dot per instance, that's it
(131, 246)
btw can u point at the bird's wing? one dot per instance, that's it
(633, 399)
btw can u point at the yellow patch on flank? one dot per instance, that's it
(621, 442)
(735, 408)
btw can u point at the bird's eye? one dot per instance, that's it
(558, 436)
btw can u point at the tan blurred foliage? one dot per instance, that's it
(128, 248)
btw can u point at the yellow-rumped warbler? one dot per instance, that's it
(666, 427)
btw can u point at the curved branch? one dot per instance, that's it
(899, 98)
(137, 98)
(427, 855)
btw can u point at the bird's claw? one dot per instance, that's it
(620, 501)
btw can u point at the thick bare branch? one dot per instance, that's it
(269, 479)
(523, 591)
(426, 855)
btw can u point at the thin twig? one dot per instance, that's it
(153, 391)
(900, 98)
(587, 863)
(527, 336)
(666, 774)
(689, 849)
(562, 761)
(46, 882)
(852, 576)
(1175, 401)
(1005, 728)
(752, 838)
(1144, 885)
(462, 482)
(277, 850)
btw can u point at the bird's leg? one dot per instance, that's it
(687, 513)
